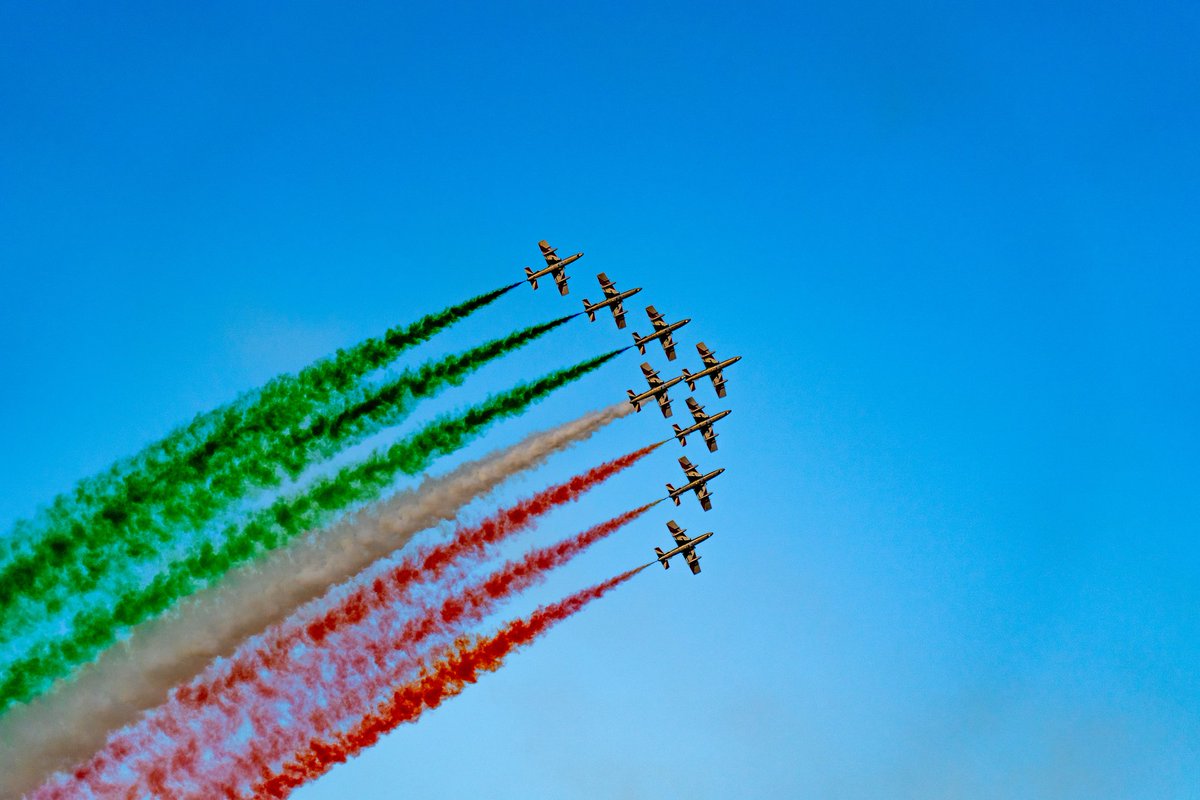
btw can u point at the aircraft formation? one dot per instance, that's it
(657, 391)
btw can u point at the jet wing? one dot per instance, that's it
(609, 289)
(655, 318)
(651, 375)
(678, 533)
(706, 355)
(705, 497)
(697, 410)
(669, 347)
(719, 383)
(689, 468)
(664, 403)
(710, 439)
(560, 278)
(693, 561)
(618, 312)
(549, 254)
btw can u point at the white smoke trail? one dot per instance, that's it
(70, 723)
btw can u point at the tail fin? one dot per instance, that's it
(529, 277)
(689, 380)
(587, 307)
(640, 345)
(666, 564)
(633, 400)
(670, 491)
(679, 434)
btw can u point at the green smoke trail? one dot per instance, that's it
(284, 400)
(94, 629)
(53, 576)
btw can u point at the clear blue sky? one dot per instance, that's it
(957, 245)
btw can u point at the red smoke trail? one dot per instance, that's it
(394, 649)
(364, 662)
(208, 710)
(472, 603)
(426, 565)
(447, 678)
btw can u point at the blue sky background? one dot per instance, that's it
(957, 244)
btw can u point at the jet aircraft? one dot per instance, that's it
(662, 332)
(684, 546)
(658, 391)
(712, 368)
(554, 266)
(696, 482)
(704, 424)
(612, 299)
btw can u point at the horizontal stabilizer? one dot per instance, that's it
(665, 562)
(529, 276)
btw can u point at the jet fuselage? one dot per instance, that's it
(696, 483)
(638, 399)
(692, 377)
(683, 548)
(557, 265)
(700, 426)
(551, 269)
(616, 298)
(659, 334)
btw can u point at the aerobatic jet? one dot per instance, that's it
(554, 266)
(662, 332)
(658, 391)
(704, 425)
(712, 368)
(684, 546)
(696, 482)
(612, 299)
